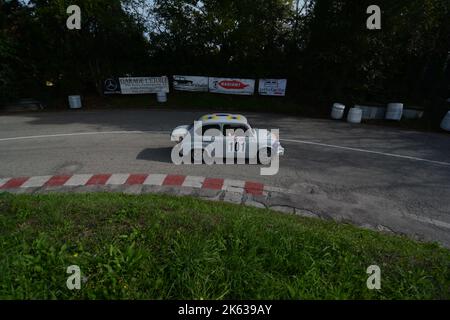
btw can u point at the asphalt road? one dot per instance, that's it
(396, 179)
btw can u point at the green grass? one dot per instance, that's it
(163, 247)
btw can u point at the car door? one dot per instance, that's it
(210, 133)
(236, 140)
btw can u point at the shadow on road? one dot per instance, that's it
(162, 154)
(156, 154)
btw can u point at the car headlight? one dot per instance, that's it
(276, 144)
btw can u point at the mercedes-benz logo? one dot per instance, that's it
(111, 85)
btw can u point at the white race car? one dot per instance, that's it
(233, 132)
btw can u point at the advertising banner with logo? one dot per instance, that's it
(190, 83)
(272, 87)
(144, 85)
(111, 86)
(232, 86)
(136, 85)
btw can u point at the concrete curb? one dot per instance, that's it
(242, 192)
(239, 192)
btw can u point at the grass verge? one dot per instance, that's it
(163, 247)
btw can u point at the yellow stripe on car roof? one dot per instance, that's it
(216, 117)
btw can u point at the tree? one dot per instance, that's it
(240, 37)
(322, 46)
(110, 42)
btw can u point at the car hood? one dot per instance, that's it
(265, 133)
(180, 130)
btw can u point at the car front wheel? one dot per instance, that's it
(197, 154)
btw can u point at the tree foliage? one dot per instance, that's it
(109, 42)
(322, 46)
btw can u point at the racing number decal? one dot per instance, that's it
(237, 145)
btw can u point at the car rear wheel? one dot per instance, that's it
(265, 156)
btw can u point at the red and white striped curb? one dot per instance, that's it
(169, 180)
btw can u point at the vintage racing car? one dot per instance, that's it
(233, 132)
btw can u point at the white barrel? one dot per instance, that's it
(337, 112)
(354, 115)
(445, 124)
(161, 96)
(74, 102)
(394, 111)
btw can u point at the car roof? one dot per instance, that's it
(223, 118)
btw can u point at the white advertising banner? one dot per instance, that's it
(190, 83)
(232, 86)
(272, 87)
(144, 85)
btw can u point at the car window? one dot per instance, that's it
(210, 130)
(240, 130)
